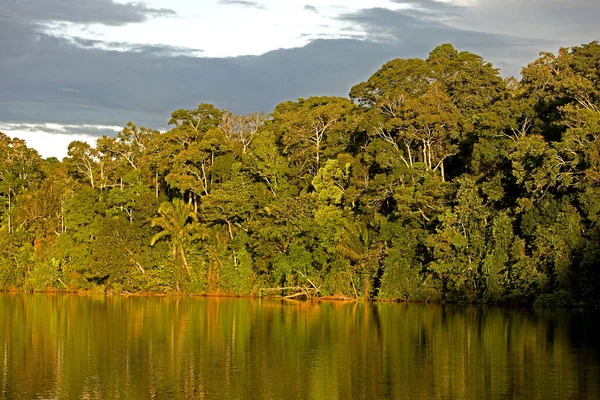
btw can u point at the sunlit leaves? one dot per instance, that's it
(437, 179)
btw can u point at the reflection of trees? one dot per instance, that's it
(72, 347)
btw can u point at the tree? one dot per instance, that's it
(432, 121)
(83, 159)
(437, 179)
(359, 245)
(178, 221)
(265, 161)
(20, 169)
(183, 156)
(314, 129)
(242, 128)
(395, 79)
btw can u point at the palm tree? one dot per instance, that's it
(179, 222)
(359, 246)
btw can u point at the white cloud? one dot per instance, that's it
(139, 80)
(52, 140)
(228, 30)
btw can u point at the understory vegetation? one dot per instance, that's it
(436, 180)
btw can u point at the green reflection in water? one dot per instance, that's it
(66, 346)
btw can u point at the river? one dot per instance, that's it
(71, 347)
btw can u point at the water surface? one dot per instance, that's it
(69, 347)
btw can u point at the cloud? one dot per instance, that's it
(50, 128)
(566, 23)
(74, 81)
(312, 9)
(431, 8)
(50, 144)
(243, 3)
(154, 49)
(23, 23)
(106, 12)
(404, 28)
(115, 83)
(52, 140)
(116, 87)
(562, 23)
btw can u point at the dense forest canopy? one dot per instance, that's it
(436, 180)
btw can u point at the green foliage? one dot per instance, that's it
(404, 277)
(436, 180)
(179, 223)
(559, 299)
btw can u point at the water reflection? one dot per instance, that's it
(64, 346)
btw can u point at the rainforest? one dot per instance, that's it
(436, 180)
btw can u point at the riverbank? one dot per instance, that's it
(560, 300)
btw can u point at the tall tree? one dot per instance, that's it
(314, 130)
(179, 222)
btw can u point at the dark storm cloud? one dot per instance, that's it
(402, 25)
(111, 88)
(565, 23)
(77, 81)
(404, 30)
(250, 4)
(154, 49)
(557, 22)
(95, 131)
(24, 22)
(105, 12)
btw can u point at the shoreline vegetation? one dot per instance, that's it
(436, 180)
(552, 302)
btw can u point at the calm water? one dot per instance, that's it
(68, 347)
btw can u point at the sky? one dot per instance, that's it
(80, 69)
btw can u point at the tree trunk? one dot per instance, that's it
(442, 171)
(9, 216)
(156, 183)
(184, 260)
